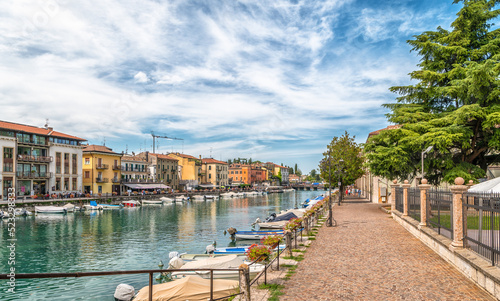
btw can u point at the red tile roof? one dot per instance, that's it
(185, 156)
(166, 157)
(133, 158)
(35, 130)
(390, 127)
(99, 149)
(212, 161)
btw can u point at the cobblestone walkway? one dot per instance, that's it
(368, 256)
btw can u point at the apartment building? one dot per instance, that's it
(214, 172)
(101, 170)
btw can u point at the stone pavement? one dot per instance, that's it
(369, 256)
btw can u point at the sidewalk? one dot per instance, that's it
(368, 256)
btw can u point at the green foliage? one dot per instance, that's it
(346, 171)
(454, 105)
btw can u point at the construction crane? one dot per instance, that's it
(157, 136)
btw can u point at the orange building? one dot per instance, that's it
(240, 173)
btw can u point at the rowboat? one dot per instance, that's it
(152, 202)
(255, 235)
(131, 203)
(50, 209)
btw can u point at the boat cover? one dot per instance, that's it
(222, 262)
(192, 288)
(124, 292)
(285, 217)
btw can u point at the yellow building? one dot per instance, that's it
(101, 170)
(214, 172)
(190, 170)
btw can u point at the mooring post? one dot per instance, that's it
(288, 236)
(245, 281)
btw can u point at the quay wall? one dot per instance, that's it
(467, 262)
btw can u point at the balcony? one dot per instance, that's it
(32, 142)
(117, 167)
(33, 175)
(38, 159)
(130, 181)
(116, 180)
(101, 166)
(101, 180)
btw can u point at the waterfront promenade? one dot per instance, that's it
(369, 256)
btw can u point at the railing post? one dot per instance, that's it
(458, 234)
(211, 285)
(424, 204)
(245, 281)
(288, 237)
(306, 224)
(405, 197)
(150, 286)
(393, 194)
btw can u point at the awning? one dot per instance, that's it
(147, 186)
(207, 186)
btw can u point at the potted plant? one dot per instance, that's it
(258, 253)
(293, 224)
(272, 240)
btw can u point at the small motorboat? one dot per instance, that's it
(254, 235)
(278, 221)
(180, 198)
(199, 197)
(51, 210)
(93, 206)
(70, 207)
(190, 288)
(211, 197)
(236, 250)
(223, 262)
(21, 212)
(131, 203)
(309, 203)
(152, 202)
(167, 200)
(111, 207)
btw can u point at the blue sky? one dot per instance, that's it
(270, 80)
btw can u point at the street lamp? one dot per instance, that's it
(423, 153)
(339, 169)
(329, 191)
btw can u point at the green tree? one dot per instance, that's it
(295, 169)
(229, 162)
(342, 161)
(454, 105)
(298, 172)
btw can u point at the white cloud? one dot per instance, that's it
(141, 77)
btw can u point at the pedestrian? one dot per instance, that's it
(359, 193)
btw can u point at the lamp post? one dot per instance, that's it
(423, 154)
(339, 169)
(329, 190)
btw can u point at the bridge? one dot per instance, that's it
(309, 187)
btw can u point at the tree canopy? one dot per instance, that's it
(351, 167)
(454, 105)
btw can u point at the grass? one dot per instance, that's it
(312, 238)
(296, 258)
(274, 289)
(290, 272)
(298, 250)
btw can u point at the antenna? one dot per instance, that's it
(104, 143)
(211, 152)
(46, 123)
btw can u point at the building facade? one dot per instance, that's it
(101, 170)
(214, 172)
(39, 161)
(190, 170)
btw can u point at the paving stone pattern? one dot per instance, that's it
(369, 256)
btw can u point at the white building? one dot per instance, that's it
(37, 161)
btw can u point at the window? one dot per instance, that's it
(210, 176)
(66, 184)
(8, 159)
(58, 164)
(87, 161)
(73, 184)
(74, 164)
(58, 184)
(66, 164)
(87, 174)
(209, 167)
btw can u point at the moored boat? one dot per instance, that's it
(69, 207)
(255, 235)
(131, 203)
(110, 207)
(93, 206)
(50, 209)
(167, 200)
(152, 202)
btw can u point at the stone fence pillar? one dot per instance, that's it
(393, 194)
(424, 203)
(458, 231)
(405, 197)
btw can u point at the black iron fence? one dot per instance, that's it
(399, 199)
(414, 203)
(440, 213)
(482, 224)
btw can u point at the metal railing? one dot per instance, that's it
(101, 166)
(33, 175)
(399, 199)
(440, 213)
(414, 203)
(32, 158)
(482, 224)
(101, 180)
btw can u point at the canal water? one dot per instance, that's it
(126, 239)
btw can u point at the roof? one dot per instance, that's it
(390, 127)
(212, 161)
(99, 149)
(165, 157)
(184, 156)
(36, 130)
(133, 158)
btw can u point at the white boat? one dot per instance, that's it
(180, 198)
(111, 207)
(224, 262)
(50, 209)
(227, 195)
(131, 203)
(255, 235)
(193, 257)
(278, 221)
(235, 250)
(191, 288)
(211, 197)
(19, 212)
(152, 202)
(69, 207)
(167, 200)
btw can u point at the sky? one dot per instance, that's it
(267, 80)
